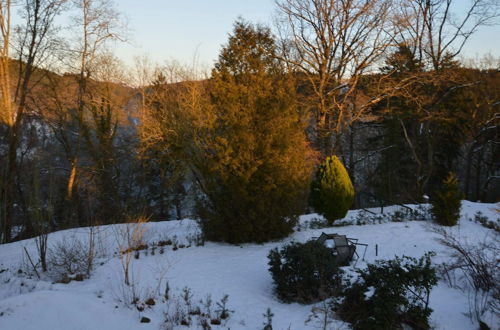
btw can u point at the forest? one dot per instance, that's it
(380, 84)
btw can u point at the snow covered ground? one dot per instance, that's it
(102, 302)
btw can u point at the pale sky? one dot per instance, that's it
(179, 29)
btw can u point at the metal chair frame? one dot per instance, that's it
(349, 242)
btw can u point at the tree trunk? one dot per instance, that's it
(468, 168)
(8, 185)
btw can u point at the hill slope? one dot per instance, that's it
(103, 302)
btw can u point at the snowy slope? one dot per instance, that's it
(213, 269)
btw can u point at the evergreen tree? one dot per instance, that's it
(257, 163)
(402, 61)
(332, 192)
(421, 134)
(447, 202)
(396, 171)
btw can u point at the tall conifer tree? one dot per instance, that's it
(257, 162)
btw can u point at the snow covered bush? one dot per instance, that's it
(447, 201)
(304, 272)
(390, 293)
(332, 192)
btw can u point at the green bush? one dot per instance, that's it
(332, 192)
(447, 201)
(389, 294)
(304, 272)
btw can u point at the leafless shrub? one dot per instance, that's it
(478, 263)
(138, 294)
(41, 248)
(68, 258)
(176, 314)
(130, 238)
(40, 213)
(75, 258)
(129, 294)
(476, 269)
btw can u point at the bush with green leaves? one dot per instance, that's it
(390, 293)
(332, 192)
(447, 201)
(304, 272)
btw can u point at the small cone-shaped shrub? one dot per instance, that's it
(447, 201)
(332, 192)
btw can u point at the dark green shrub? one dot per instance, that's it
(304, 272)
(389, 294)
(332, 192)
(447, 201)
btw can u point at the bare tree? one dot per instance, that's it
(97, 24)
(171, 121)
(34, 40)
(435, 31)
(84, 100)
(41, 212)
(438, 32)
(6, 112)
(333, 44)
